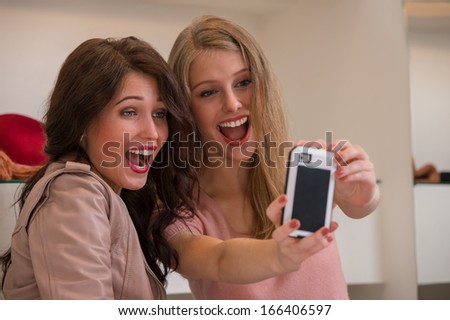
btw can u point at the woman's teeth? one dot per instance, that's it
(142, 152)
(140, 157)
(234, 130)
(232, 124)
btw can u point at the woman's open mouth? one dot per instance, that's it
(139, 159)
(235, 132)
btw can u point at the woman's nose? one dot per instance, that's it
(231, 102)
(149, 130)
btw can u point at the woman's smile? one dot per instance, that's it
(235, 131)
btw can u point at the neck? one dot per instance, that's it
(224, 182)
(229, 188)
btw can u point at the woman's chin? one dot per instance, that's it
(134, 184)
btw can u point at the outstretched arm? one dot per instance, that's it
(246, 260)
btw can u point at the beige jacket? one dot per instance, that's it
(80, 242)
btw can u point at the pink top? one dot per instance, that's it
(320, 277)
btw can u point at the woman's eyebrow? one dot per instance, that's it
(128, 98)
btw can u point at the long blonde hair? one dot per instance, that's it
(268, 176)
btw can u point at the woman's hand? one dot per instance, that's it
(356, 190)
(291, 251)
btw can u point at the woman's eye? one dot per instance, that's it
(160, 114)
(244, 83)
(207, 93)
(129, 113)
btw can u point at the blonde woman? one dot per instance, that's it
(230, 249)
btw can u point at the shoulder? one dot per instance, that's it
(75, 177)
(208, 219)
(77, 198)
(73, 188)
(80, 183)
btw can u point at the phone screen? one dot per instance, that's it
(311, 194)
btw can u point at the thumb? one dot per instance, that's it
(273, 211)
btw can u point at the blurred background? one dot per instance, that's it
(374, 72)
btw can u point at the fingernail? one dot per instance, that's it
(294, 224)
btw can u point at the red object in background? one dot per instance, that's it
(22, 139)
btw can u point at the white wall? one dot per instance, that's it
(344, 68)
(36, 37)
(432, 203)
(429, 47)
(430, 96)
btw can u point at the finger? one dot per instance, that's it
(333, 226)
(317, 241)
(273, 211)
(282, 232)
(354, 168)
(346, 156)
(338, 145)
(361, 177)
(321, 144)
(327, 234)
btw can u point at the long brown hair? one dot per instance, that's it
(268, 122)
(87, 81)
